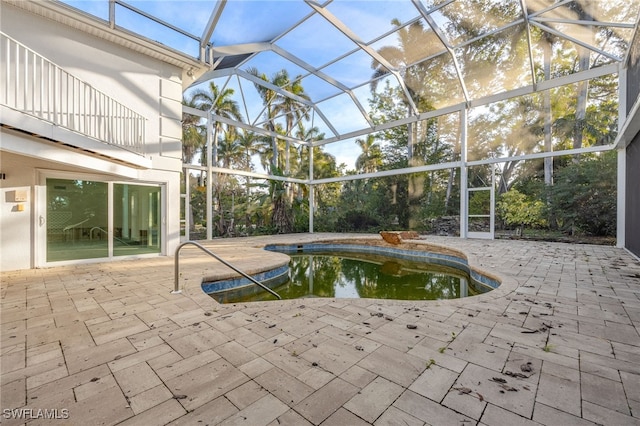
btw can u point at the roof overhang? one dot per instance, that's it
(77, 19)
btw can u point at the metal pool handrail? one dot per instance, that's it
(177, 290)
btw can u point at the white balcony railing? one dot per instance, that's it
(33, 85)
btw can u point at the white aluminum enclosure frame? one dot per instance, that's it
(462, 165)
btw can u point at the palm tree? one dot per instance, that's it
(277, 105)
(250, 144)
(282, 218)
(371, 158)
(219, 102)
(292, 110)
(310, 135)
(193, 133)
(230, 151)
(268, 96)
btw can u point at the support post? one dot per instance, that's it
(464, 192)
(209, 184)
(621, 205)
(187, 206)
(622, 162)
(311, 190)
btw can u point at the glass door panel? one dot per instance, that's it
(77, 219)
(480, 202)
(136, 219)
(479, 213)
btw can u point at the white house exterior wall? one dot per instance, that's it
(148, 86)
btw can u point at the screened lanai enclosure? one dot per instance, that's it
(476, 118)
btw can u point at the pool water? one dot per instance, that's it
(348, 275)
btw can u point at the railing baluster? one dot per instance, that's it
(130, 129)
(101, 120)
(98, 116)
(36, 86)
(42, 83)
(5, 90)
(54, 91)
(69, 100)
(34, 82)
(87, 111)
(86, 102)
(74, 104)
(79, 107)
(17, 74)
(91, 113)
(69, 81)
(46, 107)
(110, 126)
(116, 122)
(49, 92)
(120, 116)
(123, 126)
(25, 83)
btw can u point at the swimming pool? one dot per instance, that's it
(359, 271)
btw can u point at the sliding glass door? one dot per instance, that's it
(136, 219)
(77, 219)
(91, 219)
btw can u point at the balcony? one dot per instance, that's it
(41, 98)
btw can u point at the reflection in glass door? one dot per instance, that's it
(136, 219)
(77, 215)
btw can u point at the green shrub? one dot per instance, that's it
(517, 209)
(584, 195)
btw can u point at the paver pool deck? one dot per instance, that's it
(557, 344)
